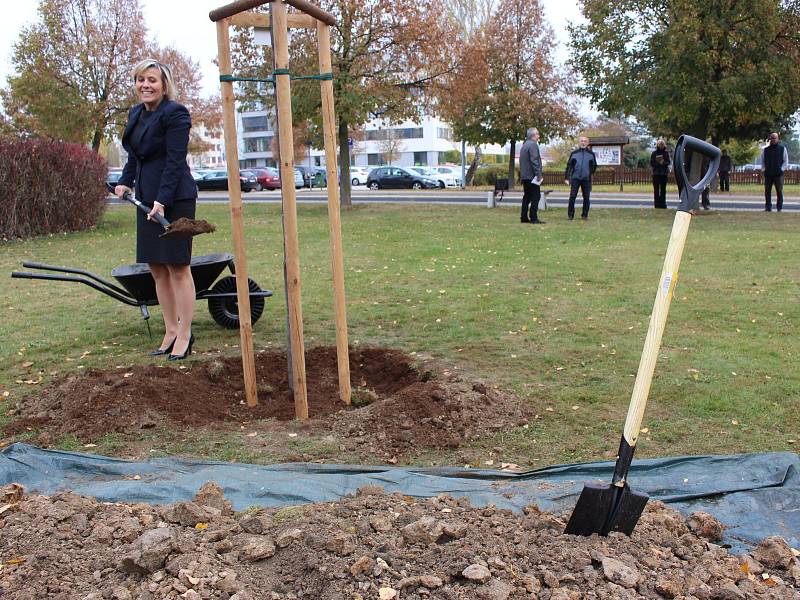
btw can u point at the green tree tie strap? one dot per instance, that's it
(271, 78)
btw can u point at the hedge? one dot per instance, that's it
(49, 187)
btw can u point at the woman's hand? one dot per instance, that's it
(158, 208)
(120, 190)
(566, 181)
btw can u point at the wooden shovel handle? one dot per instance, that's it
(658, 319)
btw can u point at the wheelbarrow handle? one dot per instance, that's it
(159, 218)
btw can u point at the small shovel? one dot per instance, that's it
(181, 229)
(616, 507)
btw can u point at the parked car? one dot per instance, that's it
(359, 175)
(218, 180)
(398, 178)
(749, 167)
(448, 176)
(793, 167)
(429, 173)
(313, 175)
(267, 178)
(112, 179)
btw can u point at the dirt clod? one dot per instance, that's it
(68, 546)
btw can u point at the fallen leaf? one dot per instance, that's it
(26, 364)
(575, 407)
(734, 422)
(292, 435)
(201, 526)
(126, 375)
(16, 561)
(644, 430)
(254, 434)
(90, 445)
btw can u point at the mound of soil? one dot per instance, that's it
(370, 546)
(400, 402)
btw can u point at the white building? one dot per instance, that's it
(423, 143)
(214, 157)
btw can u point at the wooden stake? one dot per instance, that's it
(235, 194)
(337, 260)
(280, 48)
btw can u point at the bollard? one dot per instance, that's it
(490, 203)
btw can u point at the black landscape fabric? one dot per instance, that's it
(754, 495)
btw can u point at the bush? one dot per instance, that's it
(49, 187)
(489, 174)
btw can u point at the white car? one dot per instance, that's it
(358, 175)
(447, 176)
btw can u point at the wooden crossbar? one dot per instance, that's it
(239, 6)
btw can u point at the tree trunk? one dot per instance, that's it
(345, 199)
(476, 160)
(97, 139)
(512, 179)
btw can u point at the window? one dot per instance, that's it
(374, 160)
(375, 134)
(421, 158)
(444, 133)
(259, 123)
(400, 133)
(257, 144)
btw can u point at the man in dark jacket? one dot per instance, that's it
(530, 172)
(659, 162)
(725, 168)
(581, 165)
(774, 160)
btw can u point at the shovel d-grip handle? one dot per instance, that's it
(690, 194)
(159, 218)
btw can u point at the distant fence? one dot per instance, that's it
(633, 176)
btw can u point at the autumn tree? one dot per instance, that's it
(74, 80)
(73, 69)
(717, 69)
(508, 81)
(391, 146)
(384, 59)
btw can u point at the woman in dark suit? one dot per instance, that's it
(156, 138)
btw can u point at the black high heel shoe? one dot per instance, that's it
(167, 350)
(185, 354)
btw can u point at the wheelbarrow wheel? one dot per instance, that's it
(225, 311)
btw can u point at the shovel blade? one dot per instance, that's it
(605, 508)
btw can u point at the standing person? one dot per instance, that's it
(581, 165)
(530, 172)
(659, 162)
(704, 197)
(156, 138)
(725, 168)
(774, 160)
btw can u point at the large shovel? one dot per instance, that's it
(180, 229)
(616, 507)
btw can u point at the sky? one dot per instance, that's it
(185, 25)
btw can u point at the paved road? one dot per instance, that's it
(512, 199)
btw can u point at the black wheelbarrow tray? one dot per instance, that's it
(139, 288)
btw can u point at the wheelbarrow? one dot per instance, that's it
(139, 288)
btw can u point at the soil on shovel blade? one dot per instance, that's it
(184, 227)
(401, 404)
(369, 546)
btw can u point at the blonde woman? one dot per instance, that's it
(156, 139)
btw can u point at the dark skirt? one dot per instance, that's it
(150, 248)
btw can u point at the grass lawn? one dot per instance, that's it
(556, 314)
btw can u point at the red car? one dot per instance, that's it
(267, 178)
